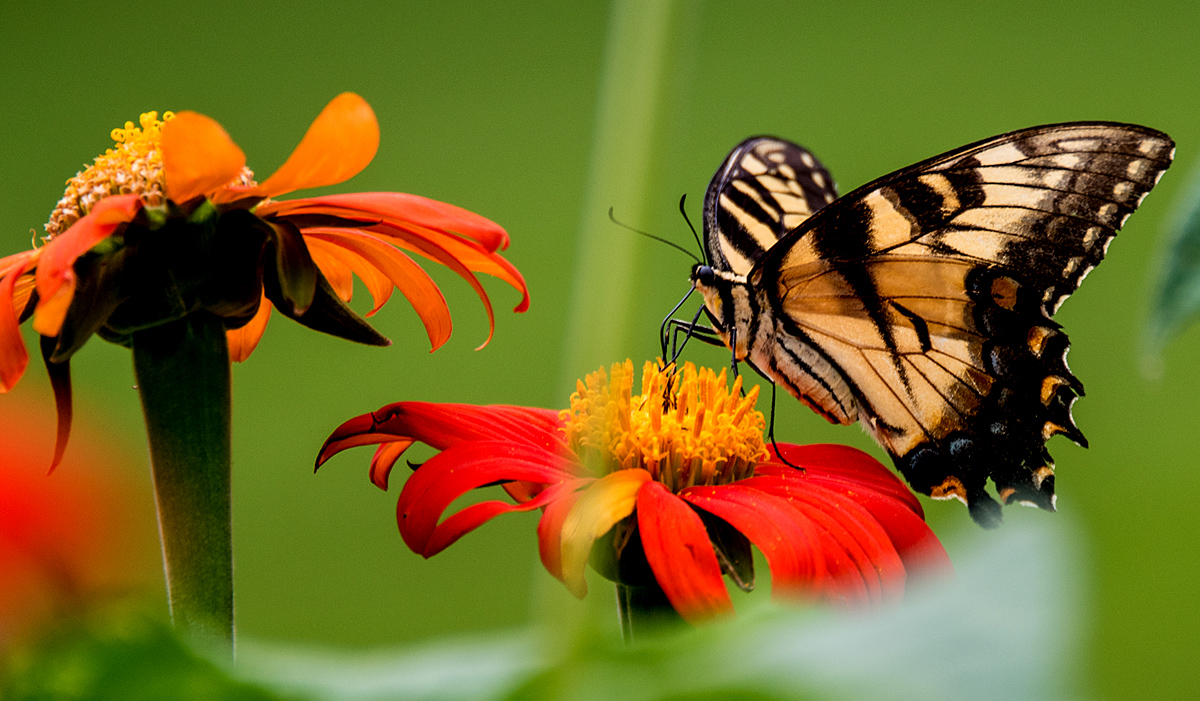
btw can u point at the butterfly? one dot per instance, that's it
(921, 303)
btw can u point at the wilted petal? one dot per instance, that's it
(198, 156)
(341, 141)
(55, 276)
(384, 459)
(242, 341)
(680, 554)
(607, 501)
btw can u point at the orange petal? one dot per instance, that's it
(607, 501)
(13, 356)
(339, 275)
(55, 276)
(379, 287)
(198, 156)
(413, 282)
(243, 341)
(341, 142)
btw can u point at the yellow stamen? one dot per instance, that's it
(133, 166)
(684, 429)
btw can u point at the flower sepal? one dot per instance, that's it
(618, 556)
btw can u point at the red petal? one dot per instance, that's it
(413, 282)
(443, 425)
(549, 531)
(461, 468)
(680, 554)
(789, 541)
(474, 516)
(918, 547)
(873, 559)
(198, 156)
(399, 209)
(341, 141)
(13, 356)
(55, 275)
(384, 459)
(242, 341)
(846, 462)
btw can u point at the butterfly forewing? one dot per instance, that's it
(766, 188)
(929, 294)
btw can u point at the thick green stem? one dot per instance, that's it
(641, 610)
(182, 373)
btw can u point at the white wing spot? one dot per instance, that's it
(753, 166)
(828, 197)
(818, 179)
(1108, 210)
(1122, 190)
(1083, 274)
(1072, 265)
(1135, 168)
(807, 159)
(1092, 234)
(1104, 248)
(788, 171)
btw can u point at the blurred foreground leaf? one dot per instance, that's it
(1006, 628)
(1177, 296)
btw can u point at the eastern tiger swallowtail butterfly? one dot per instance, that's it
(921, 303)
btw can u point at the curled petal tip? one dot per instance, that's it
(198, 156)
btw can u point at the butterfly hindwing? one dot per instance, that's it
(765, 188)
(928, 293)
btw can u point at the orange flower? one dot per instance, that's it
(666, 488)
(170, 222)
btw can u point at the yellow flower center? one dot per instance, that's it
(133, 166)
(685, 429)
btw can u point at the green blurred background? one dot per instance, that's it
(491, 106)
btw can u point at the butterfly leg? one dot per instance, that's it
(771, 432)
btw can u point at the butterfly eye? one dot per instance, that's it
(704, 275)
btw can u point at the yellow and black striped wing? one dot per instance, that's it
(765, 188)
(931, 291)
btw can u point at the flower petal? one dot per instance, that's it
(680, 554)
(607, 501)
(789, 541)
(378, 285)
(873, 560)
(198, 156)
(463, 467)
(341, 141)
(413, 282)
(441, 426)
(475, 515)
(55, 276)
(242, 341)
(384, 459)
(336, 271)
(399, 209)
(846, 462)
(549, 532)
(13, 356)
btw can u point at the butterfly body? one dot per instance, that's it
(921, 303)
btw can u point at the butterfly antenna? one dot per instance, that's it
(683, 211)
(672, 244)
(771, 432)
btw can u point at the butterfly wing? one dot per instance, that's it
(931, 290)
(765, 188)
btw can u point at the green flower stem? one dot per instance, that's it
(642, 609)
(182, 370)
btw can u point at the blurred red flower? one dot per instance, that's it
(65, 540)
(672, 484)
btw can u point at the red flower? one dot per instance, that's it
(170, 222)
(685, 485)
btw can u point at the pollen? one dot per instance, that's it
(134, 165)
(685, 428)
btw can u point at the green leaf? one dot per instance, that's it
(1177, 296)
